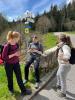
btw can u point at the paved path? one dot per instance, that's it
(49, 94)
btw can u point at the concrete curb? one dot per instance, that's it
(48, 80)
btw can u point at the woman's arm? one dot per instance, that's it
(12, 55)
(66, 54)
(5, 55)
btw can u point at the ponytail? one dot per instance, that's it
(69, 43)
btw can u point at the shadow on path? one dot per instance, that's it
(71, 94)
(40, 97)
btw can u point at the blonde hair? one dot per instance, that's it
(9, 35)
(12, 35)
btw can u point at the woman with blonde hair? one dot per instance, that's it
(10, 56)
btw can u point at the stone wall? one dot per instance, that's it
(49, 61)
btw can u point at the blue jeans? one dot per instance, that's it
(36, 61)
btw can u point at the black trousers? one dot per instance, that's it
(35, 60)
(9, 68)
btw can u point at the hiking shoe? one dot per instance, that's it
(40, 81)
(37, 85)
(26, 92)
(11, 92)
(25, 81)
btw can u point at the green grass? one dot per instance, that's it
(49, 40)
(4, 93)
(70, 32)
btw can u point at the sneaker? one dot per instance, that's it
(40, 81)
(25, 81)
(11, 92)
(26, 92)
(37, 85)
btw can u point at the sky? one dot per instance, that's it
(12, 9)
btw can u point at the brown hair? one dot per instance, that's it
(66, 39)
(63, 38)
(16, 34)
(69, 41)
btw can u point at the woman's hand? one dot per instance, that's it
(39, 52)
(30, 50)
(15, 54)
(34, 50)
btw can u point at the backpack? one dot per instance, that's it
(72, 58)
(1, 49)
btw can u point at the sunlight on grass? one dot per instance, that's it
(70, 32)
(49, 40)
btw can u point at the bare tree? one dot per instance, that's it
(43, 24)
(53, 24)
(3, 23)
(70, 25)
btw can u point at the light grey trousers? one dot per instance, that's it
(61, 76)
